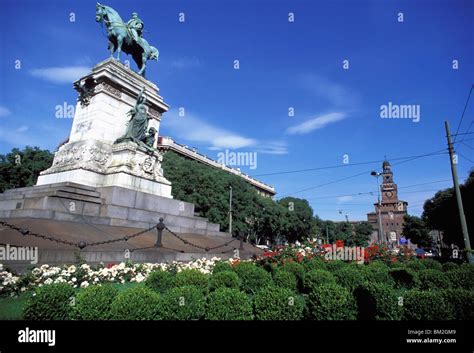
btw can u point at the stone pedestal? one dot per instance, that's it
(91, 156)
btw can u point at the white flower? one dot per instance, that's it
(84, 284)
(48, 281)
(74, 279)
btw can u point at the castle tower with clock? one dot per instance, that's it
(391, 210)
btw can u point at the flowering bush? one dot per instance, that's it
(82, 276)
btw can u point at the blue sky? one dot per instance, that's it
(282, 64)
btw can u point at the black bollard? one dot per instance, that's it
(159, 228)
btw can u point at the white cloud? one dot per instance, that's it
(341, 199)
(194, 129)
(61, 74)
(334, 93)
(315, 123)
(22, 128)
(4, 111)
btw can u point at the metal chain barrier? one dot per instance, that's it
(81, 245)
(205, 248)
(160, 226)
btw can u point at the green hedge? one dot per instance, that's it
(94, 302)
(377, 301)
(160, 281)
(221, 266)
(404, 278)
(192, 277)
(426, 305)
(334, 265)
(431, 264)
(224, 279)
(228, 304)
(349, 277)
(253, 278)
(296, 269)
(285, 279)
(315, 278)
(448, 266)
(182, 303)
(462, 277)
(331, 302)
(433, 280)
(379, 274)
(274, 303)
(50, 302)
(462, 301)
(316, 263)
(136, 303)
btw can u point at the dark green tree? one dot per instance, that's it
(21, 168)
(414, 228)
(441, 212)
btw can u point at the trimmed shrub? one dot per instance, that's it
(404, 278)
(228, 304)
(182, 303)
(334, 265)
(296, 269)
(377, 301)
(136, 303)
(431, 264)
(273, 303)
(192, 277)
(433, 280)
(224, 279)
(331, 302)
(50, 302)
(461, 277)
(462, 301)
(94, 302)
(253, 278)
(160, 281)
(316, 263)
(377, 274)
(349, 277)
(415, 265)
(426, 305)
(221, 266)
(315, 278)
(285, 279)
(448, 266)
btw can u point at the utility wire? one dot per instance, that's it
(442, 151)
(464, 111)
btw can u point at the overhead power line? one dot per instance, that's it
(335, 166)
(464, 111)
(442, 151)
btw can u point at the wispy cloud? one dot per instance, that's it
(4, 112)
(22, 128)
(315, 123)
(185, 63)
(60, 75)
(342, 199)
(334, 93)
(194, 129)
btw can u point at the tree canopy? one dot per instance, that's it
(441, 212)
(21, 168)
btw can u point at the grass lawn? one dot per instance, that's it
(12, 307)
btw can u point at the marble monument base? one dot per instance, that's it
(100, 164)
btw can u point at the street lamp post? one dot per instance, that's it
(379, 216)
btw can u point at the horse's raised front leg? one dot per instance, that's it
(143, 68)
